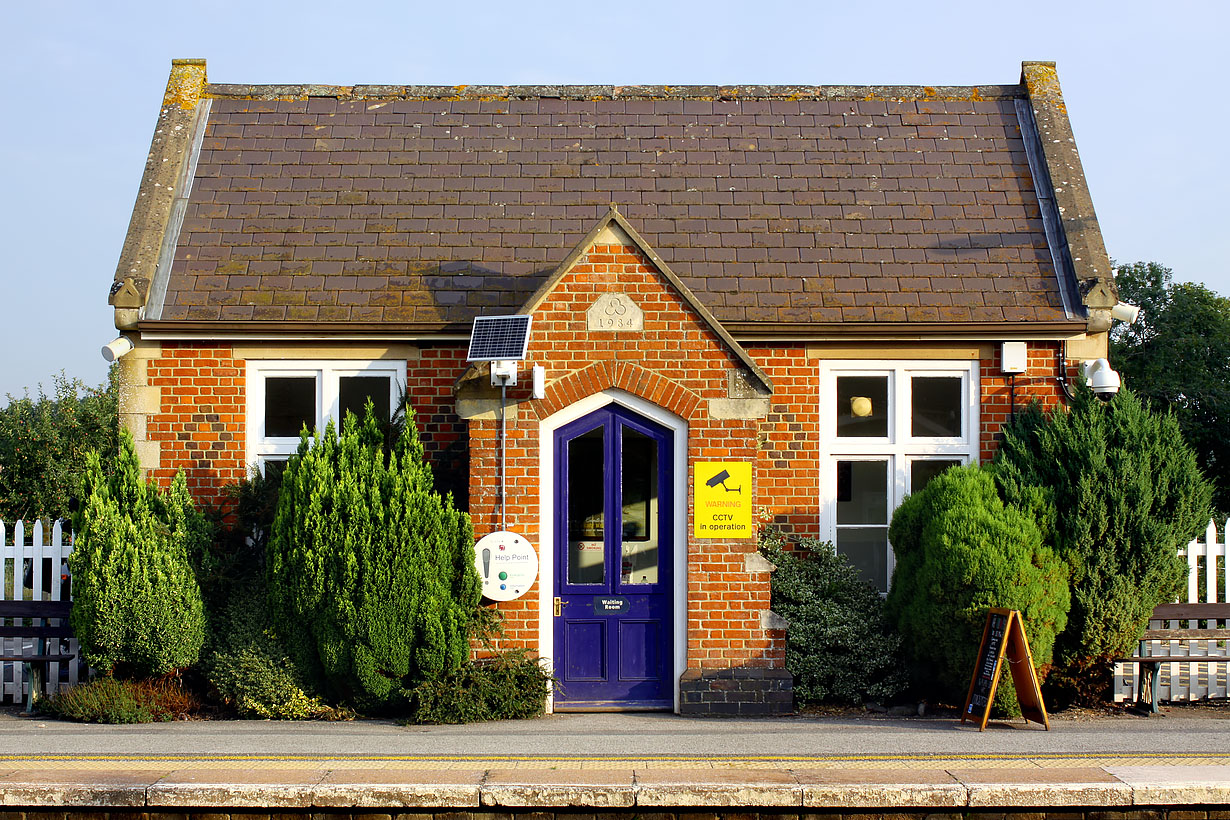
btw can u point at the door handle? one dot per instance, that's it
(559, 607)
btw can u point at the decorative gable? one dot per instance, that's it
(613, 314)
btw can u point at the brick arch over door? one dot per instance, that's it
(632, 378)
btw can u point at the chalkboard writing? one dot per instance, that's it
(990, 655)
(1004, 636)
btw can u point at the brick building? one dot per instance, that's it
(840, 290)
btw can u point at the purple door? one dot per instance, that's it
(613, 583)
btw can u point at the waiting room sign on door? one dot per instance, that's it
(722, 497)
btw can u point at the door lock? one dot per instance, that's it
(559, 607)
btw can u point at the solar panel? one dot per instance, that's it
(499, 338)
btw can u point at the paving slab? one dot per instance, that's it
(589, 788)
(235, 788)
(879, 788)
(76, 787)
(1166, 785)
(717, 787)
(1034, 786)
(390, 788)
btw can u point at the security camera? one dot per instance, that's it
(1125, 312)
(1102, 380)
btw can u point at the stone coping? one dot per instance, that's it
(1011, 785)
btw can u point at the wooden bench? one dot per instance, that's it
(1151, 665)
(15, 622)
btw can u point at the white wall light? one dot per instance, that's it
(539, 390)
(116, 348)
(1125, 312)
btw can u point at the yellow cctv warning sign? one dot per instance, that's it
(722, 493)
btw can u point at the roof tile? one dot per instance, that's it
(770, 209)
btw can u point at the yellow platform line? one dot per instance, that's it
(657, 759)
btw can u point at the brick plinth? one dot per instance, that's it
(739, 692)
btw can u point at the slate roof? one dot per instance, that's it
(776, 206)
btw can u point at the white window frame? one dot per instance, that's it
(899, 447)
(327, 373)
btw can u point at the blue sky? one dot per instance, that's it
(83, 81)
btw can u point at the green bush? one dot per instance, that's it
(250, 668)
(961, 551)
(509, 686)
(839, 647)
(371, 572)
(244, 659)
(44, 442)
(109, 700)
(137, 607)
(236, 555)
(1125, 493)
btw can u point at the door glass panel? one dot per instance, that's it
(935, 406)
(586, 508)
(923, 470)
(862, 492)
(862, 406)
(867, 549)
(639, 533)
(354, 391)
(290, 405)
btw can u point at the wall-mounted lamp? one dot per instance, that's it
(1125, 312)
(860, 407)
(117, 347)
(539, 383)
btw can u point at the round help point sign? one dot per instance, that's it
(507, 565)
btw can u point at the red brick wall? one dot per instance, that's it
(201, 424)
(677, 363)
(788, 462)
(429, 392)
(202, 420)
(1038, 383)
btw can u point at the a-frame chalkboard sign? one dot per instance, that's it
(1004, 636)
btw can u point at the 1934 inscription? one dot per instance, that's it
(615, 312)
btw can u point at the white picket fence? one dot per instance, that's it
(1207, 582)
(32, 571)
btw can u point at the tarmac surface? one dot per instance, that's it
(622, 761)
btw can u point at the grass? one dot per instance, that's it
(109, 700)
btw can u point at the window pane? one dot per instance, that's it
(586, 508)
(354, 391)
(862, 406)
(921, 472)
(862, 492)
(935, 406)
(290, 404)
(867, 549)
(639, 560)
(274, 467)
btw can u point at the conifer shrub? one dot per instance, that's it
(839, 646)
(1121, 493)
(370, 571)
(137, 608)
(960, 551)
(244, 659)
(508, 686)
